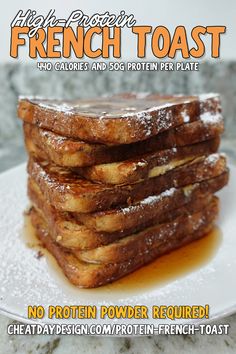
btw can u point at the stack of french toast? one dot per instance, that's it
(117, 181)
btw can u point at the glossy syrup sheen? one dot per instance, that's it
(164, 269)
(173, 265)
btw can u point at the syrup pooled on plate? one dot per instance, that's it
(165, 269)
(173, 265)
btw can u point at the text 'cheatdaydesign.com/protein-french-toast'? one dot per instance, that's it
(117, 182)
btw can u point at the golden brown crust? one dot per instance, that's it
(68, 232)
(65, 229)
(68, 152)
(87, 275)
(131, 246)
(121, 119)
(151, 208)
(147, 165)
(66, 191)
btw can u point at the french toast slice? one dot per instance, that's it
(68, 152)
(67, 231)
(150, 208)
(118, 119)
(152, 237)
(66, 191)
(147, 165)
(88, 275)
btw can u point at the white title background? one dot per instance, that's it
(188, 13)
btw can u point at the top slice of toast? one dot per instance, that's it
(118, 119)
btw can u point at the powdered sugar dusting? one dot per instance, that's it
(51, 103)
(164, 119)
(142, 164)
(185, 116)
(211, 118)
(205, 96)
(152, 199)
(168, 192)
(213, 158)
(62, 107)
(140, 114)
(147, 120)
(22, 97)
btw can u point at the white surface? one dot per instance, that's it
(170, 14)
(25, 280)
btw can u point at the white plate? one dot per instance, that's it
(26, 280)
